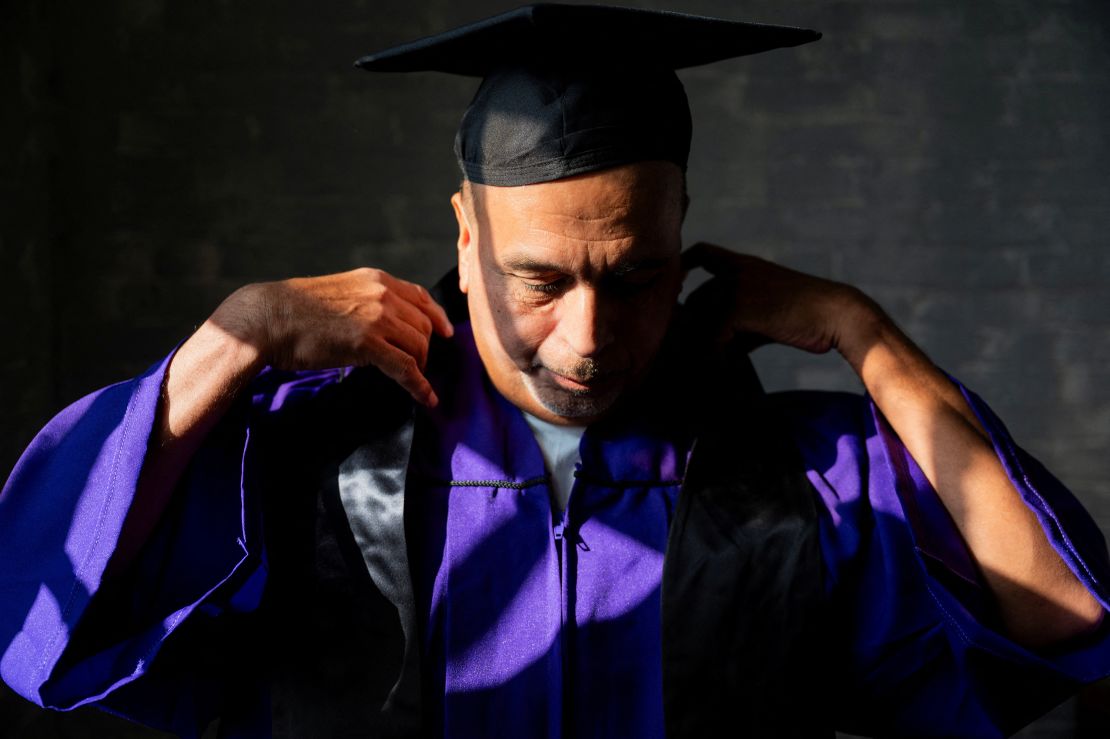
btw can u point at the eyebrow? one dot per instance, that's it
(638, 264)
(527, 264)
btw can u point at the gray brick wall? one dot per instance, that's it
(949, 157)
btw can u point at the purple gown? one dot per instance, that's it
(564, 641)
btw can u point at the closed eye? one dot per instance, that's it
(551, 287)
(634, 279)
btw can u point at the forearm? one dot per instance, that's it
(1039, 599)
(203, 379)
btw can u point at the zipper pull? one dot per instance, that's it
(559, 530)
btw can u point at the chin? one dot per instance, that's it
(579, 407)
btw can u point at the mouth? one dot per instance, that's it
(582, 386)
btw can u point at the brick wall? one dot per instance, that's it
(950, 158)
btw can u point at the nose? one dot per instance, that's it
(585, 324)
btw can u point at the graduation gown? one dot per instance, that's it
(811, 577)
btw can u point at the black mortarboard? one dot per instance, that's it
(568, 89)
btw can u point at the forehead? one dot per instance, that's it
(638, 203)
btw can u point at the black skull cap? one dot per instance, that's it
(568, 89)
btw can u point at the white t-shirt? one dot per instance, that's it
(559, 445)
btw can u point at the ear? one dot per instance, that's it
(466, 240)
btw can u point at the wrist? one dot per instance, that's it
(246, 319)
(862, 326)
(205, 374)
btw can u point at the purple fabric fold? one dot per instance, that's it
(538, 624)
(922, 653)
(61, 513)
(59, 523)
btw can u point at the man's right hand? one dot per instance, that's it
(362, 317)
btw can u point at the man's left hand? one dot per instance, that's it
(754, 301)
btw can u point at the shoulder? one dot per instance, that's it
(835, 435)
(324, 396)
(301, 424)
(274, 390)
(813, 415)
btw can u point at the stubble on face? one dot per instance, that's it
(571, 402)
(595, 229)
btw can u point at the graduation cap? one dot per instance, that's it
(568, 89)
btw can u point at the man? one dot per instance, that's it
(434, 570)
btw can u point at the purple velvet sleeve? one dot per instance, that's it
(918, 647)
(67, 639)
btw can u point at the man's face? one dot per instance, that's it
(571, 284)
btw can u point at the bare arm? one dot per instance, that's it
(1040, 600)
(360, 317)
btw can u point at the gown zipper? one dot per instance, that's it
(559, 530)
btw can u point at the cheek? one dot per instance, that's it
(523, 333)
(647, 321)
(647, 329)
(520, 329)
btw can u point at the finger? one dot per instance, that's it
(711, 298)
(408, 339)
(402, 368)
(422, 299)
(749, 341)
(412, 315)
(438, 315)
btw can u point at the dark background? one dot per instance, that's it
(949, 157)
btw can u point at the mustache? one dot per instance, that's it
(584, 370)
